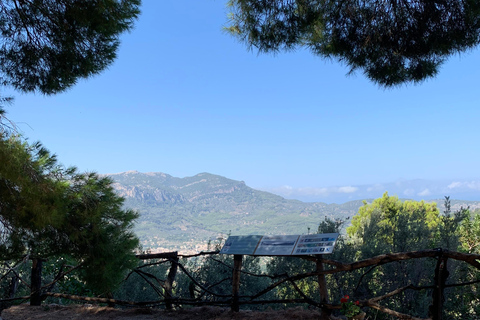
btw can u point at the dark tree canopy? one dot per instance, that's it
(47, 210)
(47, 45)
(391, 41)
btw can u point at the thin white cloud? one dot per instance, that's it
(283, 190)
(409, 192)
(312, 191)
(424, 193)
(347, 189)
(455, 184)
(309, 192)
(475, 185)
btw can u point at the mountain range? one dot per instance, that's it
(185, 213)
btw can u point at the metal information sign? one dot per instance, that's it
(241, 245)
(315, 244)
(280, 245)
(276, 245)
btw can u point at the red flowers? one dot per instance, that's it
(349, 308)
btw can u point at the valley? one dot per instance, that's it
(186, 214)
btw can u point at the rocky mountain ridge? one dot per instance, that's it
(184, 213)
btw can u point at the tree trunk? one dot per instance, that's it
(36, 282)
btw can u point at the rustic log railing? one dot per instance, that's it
(234, 299)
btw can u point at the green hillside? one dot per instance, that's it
(184, 213)
(194, 209)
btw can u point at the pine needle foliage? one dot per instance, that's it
(47, 45)
(47, 210)
(391, 41)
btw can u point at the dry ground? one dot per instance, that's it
(89, 312)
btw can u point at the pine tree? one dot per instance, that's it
(392, 42)
(47, 210)
(48, 45)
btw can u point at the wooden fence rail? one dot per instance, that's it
(234, 299)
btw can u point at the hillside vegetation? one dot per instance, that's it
(195, 209)
(185, 213)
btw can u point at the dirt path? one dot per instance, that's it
(89, 312)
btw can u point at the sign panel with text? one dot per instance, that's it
(281, 245)
(241, 245)
(315, 244)
(276, 246)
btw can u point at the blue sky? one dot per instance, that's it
(183, 97)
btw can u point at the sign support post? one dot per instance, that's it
(322, 287)
(280, 245)
(237, 267)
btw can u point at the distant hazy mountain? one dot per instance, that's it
(409, 189)
(178, 213)
(178, 210)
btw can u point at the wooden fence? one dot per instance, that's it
(234, 299)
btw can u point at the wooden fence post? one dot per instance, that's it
(237, 267)
(322, 287)
(36, 282)
(13, 286)
(169, 281)
(441, 275)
